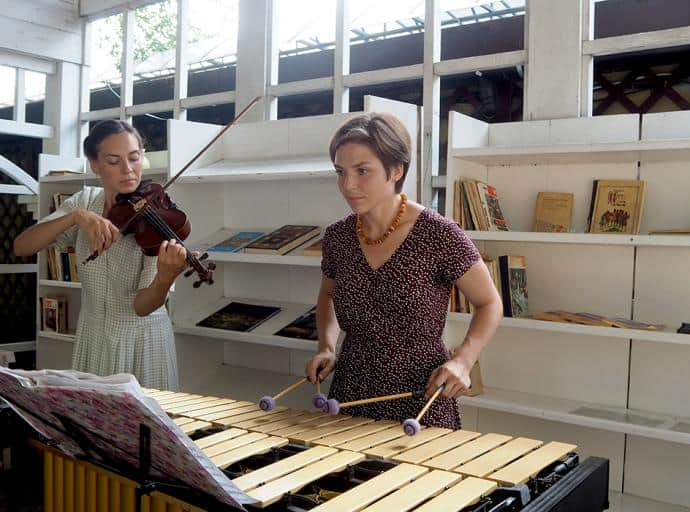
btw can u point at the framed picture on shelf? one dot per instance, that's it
(617, 206)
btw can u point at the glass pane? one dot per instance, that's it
(155, 40)
(212, 46)
(153, 129)
(476, 27)
(386, 34)
(7, 84)
(106, 62)
(409, 91)
(303, 105)
(215, 114)
(304, 25)
(35, 96)
(620, 17)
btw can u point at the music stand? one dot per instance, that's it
(108, 421)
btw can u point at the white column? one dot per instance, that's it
(62, 110)
(127, 87)
(553, 86)
(587, 77)
(257, 60)
(19, 113)
(84, 87)
(181, 64)
(431, 106)
(341, 54)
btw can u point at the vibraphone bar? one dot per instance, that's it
(293, 460)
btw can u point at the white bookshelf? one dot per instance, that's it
(538, 374)
(59, 284)
(91, 178)
(584, 330)
(243, 183)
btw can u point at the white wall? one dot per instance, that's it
(42, 28)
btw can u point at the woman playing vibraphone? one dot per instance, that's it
(388, 269)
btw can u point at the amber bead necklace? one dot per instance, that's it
(391, 228)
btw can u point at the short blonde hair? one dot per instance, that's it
(384, 133)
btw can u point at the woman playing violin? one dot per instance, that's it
(123, 326)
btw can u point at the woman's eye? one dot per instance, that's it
(363, 171)
(339, 172)
(112, 162)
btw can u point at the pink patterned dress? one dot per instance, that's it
(394, 316)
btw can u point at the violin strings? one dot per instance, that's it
(165, 230)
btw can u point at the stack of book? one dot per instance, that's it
(277, 242)
(509, 274)
(584, 318)
(476, 206)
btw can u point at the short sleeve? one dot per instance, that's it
(67, 238)
(459, 254)
(328, 262)
(149, 268)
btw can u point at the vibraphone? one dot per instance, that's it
(295, 460)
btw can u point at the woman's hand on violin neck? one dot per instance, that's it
(101, 232)
(172, 260)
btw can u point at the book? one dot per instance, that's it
(54, 314)
(64, 172)
(553, 212)
(617, 206)
(491, 207)
(625, 323)
(303, 327)
(239, 316)
(315, 249)
(672, 231)
(236, 242)
(283, 239)
(513, 285)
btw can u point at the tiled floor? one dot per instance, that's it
(627, 503)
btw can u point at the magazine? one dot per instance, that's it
(303, 327)
(238, 316)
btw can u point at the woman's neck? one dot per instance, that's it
(377, 220)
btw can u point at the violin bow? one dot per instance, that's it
(139, 207)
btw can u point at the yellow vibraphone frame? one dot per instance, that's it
(436, 470)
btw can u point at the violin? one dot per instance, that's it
(152, 217)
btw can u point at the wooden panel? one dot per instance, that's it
(321, 421)
(211, 406)
(316, 433)
(236, 418)
(273, 491)
(224, 435)
(271, 427)
(436, 447)
(185, 404)
(467, 451)
(501, 456)
(282, 467)
(399, 445)
(366, 493)
(264, 420)
(464, 494)
(236, 408)
(363, 443)
(410, 496)
(356, 433)
(230, 444)
(188, 428)
(522, 470)
(261, 446)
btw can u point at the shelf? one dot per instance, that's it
(266, 259)
(614, 419)
(263, 334)
(582, 238)
(18, 346)
(588, 330)
(646, 151)
(59, 284)
(56, 336)
(260, 170)
(89, 176)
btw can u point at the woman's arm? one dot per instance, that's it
(328, 329)
(101, 232)
(476, 284)
(172, 260)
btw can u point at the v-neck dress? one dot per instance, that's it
(111, 338)
(394, 316)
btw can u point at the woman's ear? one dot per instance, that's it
(94, 166)
(397, 173)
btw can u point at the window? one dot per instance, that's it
(105, 74)
(7, 85)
